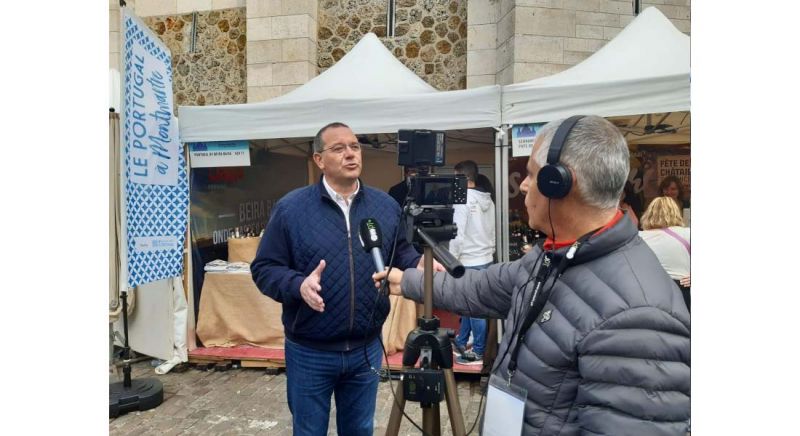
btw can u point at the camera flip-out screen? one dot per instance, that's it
(440, 190)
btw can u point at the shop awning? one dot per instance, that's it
(368, 89)
(644, 69)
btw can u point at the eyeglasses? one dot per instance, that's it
(339, 148)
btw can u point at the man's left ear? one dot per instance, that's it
(318, 160)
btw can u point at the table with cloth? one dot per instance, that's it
(234, 312)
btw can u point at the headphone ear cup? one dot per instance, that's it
(554, 181)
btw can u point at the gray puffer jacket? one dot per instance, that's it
(611, 357)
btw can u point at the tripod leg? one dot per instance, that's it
(453, 406)
(393, 428)
(430, 420)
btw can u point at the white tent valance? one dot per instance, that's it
(369, 89)
(644, 69)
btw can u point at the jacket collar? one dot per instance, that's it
(616, 234)
(324, 192)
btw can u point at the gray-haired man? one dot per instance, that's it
(596, 335)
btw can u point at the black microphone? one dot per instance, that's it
(370, 235)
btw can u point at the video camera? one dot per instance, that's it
(431, 196)
(423, 149)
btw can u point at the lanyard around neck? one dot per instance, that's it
(540, 296)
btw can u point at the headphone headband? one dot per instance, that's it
(560, 137)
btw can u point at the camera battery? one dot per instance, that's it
(424, 386)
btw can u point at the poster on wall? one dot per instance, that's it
(652, 163)
(155, 179)
(674, 165)
(522, 139)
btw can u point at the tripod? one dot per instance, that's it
(433, 344)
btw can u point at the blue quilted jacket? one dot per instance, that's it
(306, 226)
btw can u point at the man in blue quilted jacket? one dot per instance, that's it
(596, 334)
(310, 260)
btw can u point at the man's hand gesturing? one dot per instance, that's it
(310, 288)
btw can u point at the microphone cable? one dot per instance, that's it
(384, 291)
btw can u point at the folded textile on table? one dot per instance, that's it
(219, 265)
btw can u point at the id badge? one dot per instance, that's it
(505, 408)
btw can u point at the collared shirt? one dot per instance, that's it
(344, 203)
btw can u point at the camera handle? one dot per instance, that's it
(433, 343)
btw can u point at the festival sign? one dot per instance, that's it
(522, 139)
(675, 165)
(155, 178)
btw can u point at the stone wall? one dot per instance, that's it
(281, 46)
(214, 73)
(430, 35)
(512, 41)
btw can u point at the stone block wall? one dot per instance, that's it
(430, 35)
(281, 46)
(550, 36)
(537, 38)
(451, 44)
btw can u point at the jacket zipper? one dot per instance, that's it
(352, 282)
(352, 271)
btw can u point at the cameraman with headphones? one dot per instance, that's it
(596, 334)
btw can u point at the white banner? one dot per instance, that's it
(155, 177)
(522, 139)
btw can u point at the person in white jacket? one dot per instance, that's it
(474, 247)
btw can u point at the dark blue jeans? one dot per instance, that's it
(475, 325)
(313, 375)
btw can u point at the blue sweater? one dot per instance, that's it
(307, 226)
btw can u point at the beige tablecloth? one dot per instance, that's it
(243, 249)
(234, 312)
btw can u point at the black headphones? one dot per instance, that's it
(554, 180)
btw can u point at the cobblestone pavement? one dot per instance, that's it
(249, 401)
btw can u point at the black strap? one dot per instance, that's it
(536, 305)
(560, 137)
(538, 300)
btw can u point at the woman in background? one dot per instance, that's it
(672, 187)
(664, 233)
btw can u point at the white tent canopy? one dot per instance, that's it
(644, 69)
(369, 89)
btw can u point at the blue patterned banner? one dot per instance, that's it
(156, 185)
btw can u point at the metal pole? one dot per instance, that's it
(428, 256)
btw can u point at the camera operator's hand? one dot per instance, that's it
(437, 267)
(310, 288)
(394, 280)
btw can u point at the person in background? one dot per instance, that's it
(483, 184)
(310, 260)
(400, 191)
(672, 187)
(664, 233)
(474, 247)
(630, 203)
